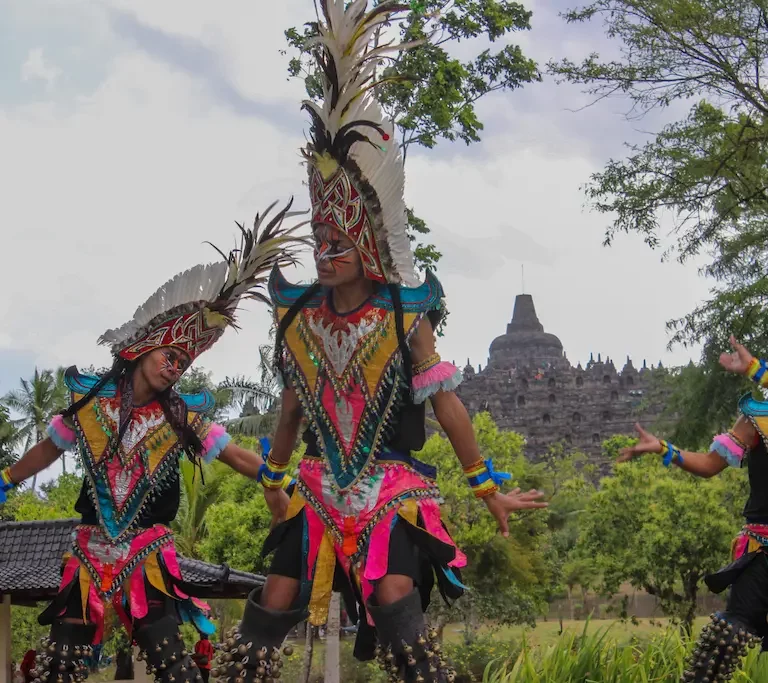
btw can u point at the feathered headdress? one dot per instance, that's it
(191, 311)
(356, 175)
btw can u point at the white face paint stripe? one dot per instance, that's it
(319, 256)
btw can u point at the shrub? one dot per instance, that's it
(470, 660)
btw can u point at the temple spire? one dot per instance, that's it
(524, 318)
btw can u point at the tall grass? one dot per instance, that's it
(597, 658)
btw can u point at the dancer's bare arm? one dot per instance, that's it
(701, 464)
(241, 460)
(287, 426)
(282, 446)
(36, 459)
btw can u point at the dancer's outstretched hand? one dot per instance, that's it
(738, 361)
(277, 502)
(502, 504)
(648, 443)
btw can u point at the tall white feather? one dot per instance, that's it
(218, 286)
(199, 284)
(347, 34)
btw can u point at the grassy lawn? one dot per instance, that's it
(547, 632)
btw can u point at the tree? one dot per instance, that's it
(198, 379)
(38, 400)
(190, 525)
(661, 530)
(707, 173)
(431, 95)
(57, 501)
(238, 522)
(9, 439)
(508, 577)
(257, 400)
(573, 484)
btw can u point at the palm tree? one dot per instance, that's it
(189, 526)
(9, 439)
(37, 401)
(257, 400)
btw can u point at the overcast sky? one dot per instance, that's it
(134, 131)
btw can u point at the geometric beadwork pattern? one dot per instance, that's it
(189, 333)
(336, 202)
(124, 478)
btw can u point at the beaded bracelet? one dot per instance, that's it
(480, 479)
(757, 372)
(7, 482)
(272, 473)
(671, 454)
(426, 364)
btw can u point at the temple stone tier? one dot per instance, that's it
(529, 386)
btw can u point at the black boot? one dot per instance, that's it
(251, 652)
(408, 649)
(718, 652)
(61, 658)
(162, 647)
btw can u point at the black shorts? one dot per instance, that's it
(159, 604)
(405, 558)
(748, 597)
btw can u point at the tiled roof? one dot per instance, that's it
(30, 564)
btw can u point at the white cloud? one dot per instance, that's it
(37, 68)
(109, 195)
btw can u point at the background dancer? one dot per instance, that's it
(724, 640)
(131, 428)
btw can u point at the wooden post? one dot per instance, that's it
(6, 675)
(309, 645)
(332, 662)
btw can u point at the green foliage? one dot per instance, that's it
(190, 526)
(198, 379)
(37, 401)
(238, 522)
(9, 439)
(26, 632)
(707, 173)
(508, 577)
(350, 669)
(431, 95)
(597, 658)
(661, 530)
(58, 501)
(470, 660)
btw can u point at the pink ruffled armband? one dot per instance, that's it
(730, 448)
(215, 442)
(443, 376)
(62, 435)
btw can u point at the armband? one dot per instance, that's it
(483, 479)
(757, 372)
(671, 454)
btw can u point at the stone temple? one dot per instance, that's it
(530, 387)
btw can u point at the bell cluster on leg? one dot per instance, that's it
(61, 662)
(718, 652)
(418, 662)
(170, 662)
(243, 662)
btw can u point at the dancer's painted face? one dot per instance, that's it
(336, 257)
(162, 368)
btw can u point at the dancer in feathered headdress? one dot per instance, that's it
(131, 428)
(356, 351)
(724, 640)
